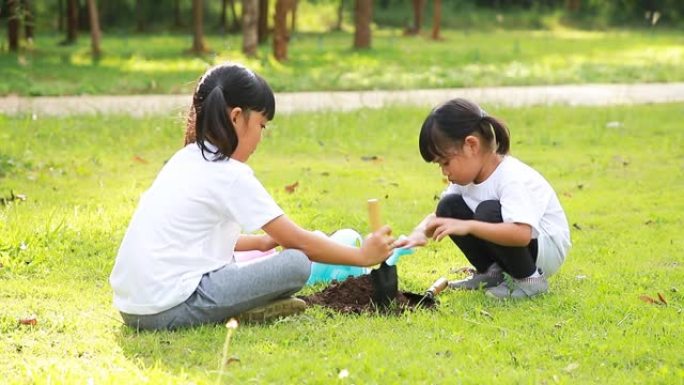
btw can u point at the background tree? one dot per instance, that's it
(250, 33)
(13, 25)
(19, 15)
(340, 16)
(436, 19)
(223, 22)
(177, 20)
(572, 5)
(262, 24)
(95, 33)
(363, 14)
(281, 36)
(293, 21)
(28, 19)
(60, 15)
(198, 44)
(72, 22)
(417, 6)
(139, 16)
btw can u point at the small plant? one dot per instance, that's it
(231, 325)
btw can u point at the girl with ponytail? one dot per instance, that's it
(502, 214)
(176, 265)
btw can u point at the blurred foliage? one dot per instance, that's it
(161, 15)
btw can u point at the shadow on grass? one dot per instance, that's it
(196, 349)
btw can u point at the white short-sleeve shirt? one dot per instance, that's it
(186, 224)
(525, 197)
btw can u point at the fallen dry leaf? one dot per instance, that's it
(661, 297)
(649, 299)
(139, 159)
(290, 188)
(31, 320)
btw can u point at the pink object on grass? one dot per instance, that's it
(244, 256)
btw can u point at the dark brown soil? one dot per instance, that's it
(355, 295)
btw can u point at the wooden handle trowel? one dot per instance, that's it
(385, 279)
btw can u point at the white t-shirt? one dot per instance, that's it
(186, 225)
(525, 197)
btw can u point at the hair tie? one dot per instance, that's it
(483, 114)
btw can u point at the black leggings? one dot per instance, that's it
(519, 262)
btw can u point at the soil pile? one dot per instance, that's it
(355, 295)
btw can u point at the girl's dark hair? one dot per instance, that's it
(219, 89)
(449, 124)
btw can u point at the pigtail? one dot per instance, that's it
(216, 128)
(495, 130)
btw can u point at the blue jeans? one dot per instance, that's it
(231, 290)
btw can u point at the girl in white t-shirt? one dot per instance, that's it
(175, 266)
(502, 214)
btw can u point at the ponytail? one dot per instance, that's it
(215, 126)
(497, 133)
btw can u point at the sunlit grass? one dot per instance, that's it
(619, 172)
(326, 61)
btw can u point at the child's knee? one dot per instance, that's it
(298, 265)
(489, 211)
(453, 206)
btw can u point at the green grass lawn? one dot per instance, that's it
(134, 64)
(619, 172)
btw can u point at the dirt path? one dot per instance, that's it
(139, 105)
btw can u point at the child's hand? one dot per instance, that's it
(415, 239)
(441, 227)
(378, 246)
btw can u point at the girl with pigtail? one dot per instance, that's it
(176, 265)
(502, 214)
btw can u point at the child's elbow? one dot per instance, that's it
(523, 235)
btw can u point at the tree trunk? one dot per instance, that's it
(340, 16)
(198, 45)
(72, 22)
(236, 20)
(139, 16)
(293, 23)
(13, 25)
(281, 36)
(95, 33)
(363, 14)
(436, 19)
(28, 20)
(223, 25)
(572, 5)
(60, 15)
(177, 21)
(418, 7)
(250, 33)
(262, 29)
